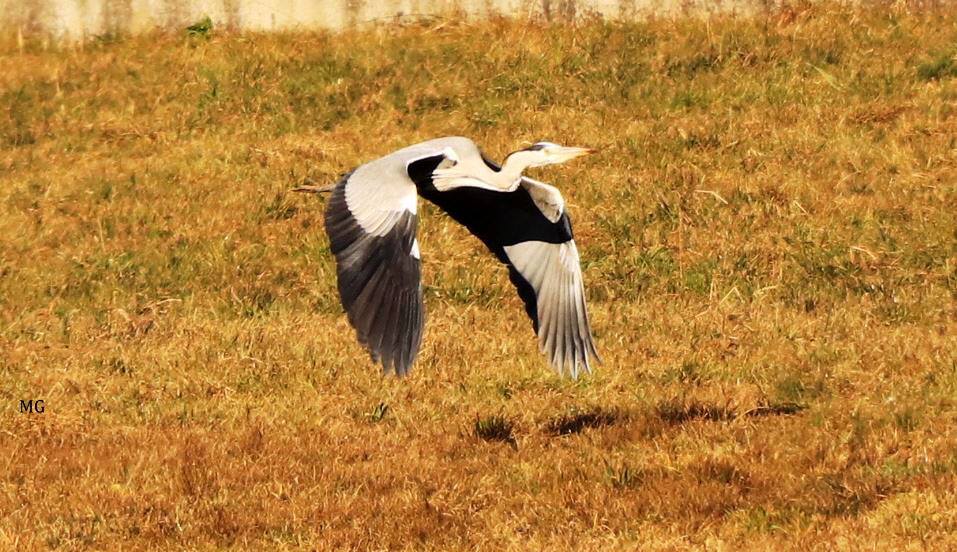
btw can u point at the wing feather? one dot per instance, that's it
(563, 330)
(568, 319)
(572, 344)
(546, 315)
(371, 231)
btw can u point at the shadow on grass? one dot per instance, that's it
(671, 412)
(674, 412)
(576, 422)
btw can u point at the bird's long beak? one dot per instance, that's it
(562, 153)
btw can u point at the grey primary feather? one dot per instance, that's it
(371, 221)
(554, 273)
(378, 282)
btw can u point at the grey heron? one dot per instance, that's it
(371, 220)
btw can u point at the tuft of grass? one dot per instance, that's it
(942, 67)
(623, 476)
(201, 28)
(495, 428)
(689, 373)
(378, 413)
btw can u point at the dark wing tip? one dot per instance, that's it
(379, 283)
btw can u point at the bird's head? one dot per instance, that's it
(540, 154)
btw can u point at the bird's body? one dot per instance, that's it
(371, 219)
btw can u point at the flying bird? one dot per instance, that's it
(371, 220)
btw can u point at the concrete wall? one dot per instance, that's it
(79, 19)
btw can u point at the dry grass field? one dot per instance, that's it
(769, 244)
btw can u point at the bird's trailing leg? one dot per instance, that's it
(315, 189)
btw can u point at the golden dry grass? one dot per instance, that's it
(769, 245)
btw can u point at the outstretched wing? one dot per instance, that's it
(559, 314)
(528, 230)
(371, 221)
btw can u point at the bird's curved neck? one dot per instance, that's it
(479, 173)
(514, 165)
